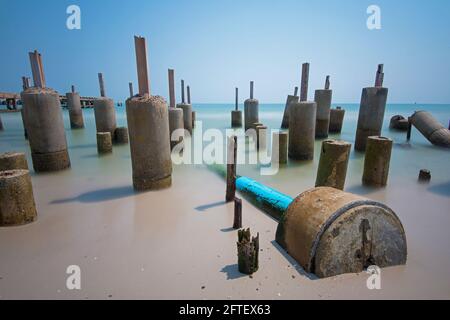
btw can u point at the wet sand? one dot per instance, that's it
(177, 243)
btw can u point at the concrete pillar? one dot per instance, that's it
(45, 127)
(194, 116)
(323, 100)
(130, 87)
(371, 111)
(280, 147)
(304, 83)
(1, 124)
(377, 160)
(237, 224)
(13, 161)
(121, 135)
(175, 122)
(75, 112)
(336, 120)
(302, 128)
(17, 206)
(333, 164)
(148, 125)
(261, 138)
(105, 115)
(290, 99)
(104, 142)
(187, 111)
(251, 109)
(172, 88)
(236, 114)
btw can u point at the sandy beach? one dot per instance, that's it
(178, 243)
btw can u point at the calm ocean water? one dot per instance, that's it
(407, 158)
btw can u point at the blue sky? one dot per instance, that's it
(216, 45)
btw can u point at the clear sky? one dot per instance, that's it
(216, 45)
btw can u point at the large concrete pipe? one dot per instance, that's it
(330, 232)
(251, 110)
(399, 122)
(45, 127)
(75, 112)
(435, 132)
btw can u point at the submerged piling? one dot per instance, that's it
(280, 147)
(251, 109)
(290, 99)
(377, 160)
(333, 164)
(371, 111)
(121, 135)
(323, 100)
(424, 176)
(430, 128)
(44, 122)
(336, 120)
(13, 161)
(148, 125)
(17, 206)
(187, 111)
(176, 120)
(236, 114)
(104, 142)
(75, 112)
(104, 110)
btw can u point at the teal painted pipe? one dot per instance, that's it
(271, 201)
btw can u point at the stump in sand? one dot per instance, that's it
(237, 214)
(17, 206)
(424, 176)
(13, 161)
(248, 252)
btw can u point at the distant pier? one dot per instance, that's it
(11, 100)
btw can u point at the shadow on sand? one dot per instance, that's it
(294, 263)
(100, 195)
(442, 189)
(232, 272)
(210, 206)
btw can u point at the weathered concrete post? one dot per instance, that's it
(261, 137)
(231, 168)
(371, 112)
(17, 206)
(237, 224)
(289, 101)
(104, 142)
(251, 109)
(130, 87)
(75, 112)
(336, 120)
(323, 99)
(13, 161)
(333, 164)
(148, 125)
(302, 123)
(280, 147)
(187, 111)
(304, 83)
(104, 111)
(377, 160)
(176, 120)
(44, 122)
(189, 102)
(248, 252)
(236, 114)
